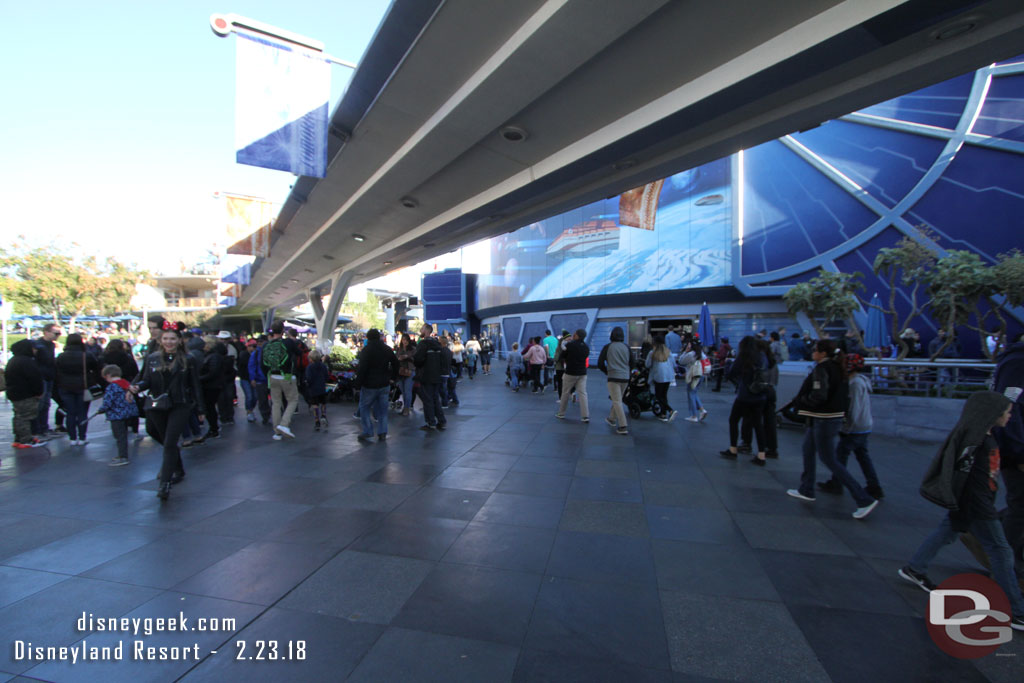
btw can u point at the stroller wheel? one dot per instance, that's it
(634, 411)
(657, 408)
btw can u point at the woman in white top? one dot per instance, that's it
(659, 362)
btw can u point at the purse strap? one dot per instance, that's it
(85, 379)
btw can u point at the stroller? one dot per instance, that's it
(639, 396)
(395, 398)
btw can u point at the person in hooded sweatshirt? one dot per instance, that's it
(964, 479)
(24, 389)
(1009, 381)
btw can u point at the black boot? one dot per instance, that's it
(164, 491)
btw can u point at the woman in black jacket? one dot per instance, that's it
(748, 373)
(823, 399)
(76, 372)
(172, 379)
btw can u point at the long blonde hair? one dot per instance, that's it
(660, 353)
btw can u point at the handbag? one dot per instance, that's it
(161, 402)
(87, 395)
(404, 371)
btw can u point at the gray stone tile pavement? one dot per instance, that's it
(513, 546)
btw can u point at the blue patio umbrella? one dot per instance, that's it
(705, 327)
(875, 335)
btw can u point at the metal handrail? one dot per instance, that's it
(937, 363)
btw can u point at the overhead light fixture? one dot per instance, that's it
(624, 164)
(358, 238)
(293, 279)
(513, 134)
(328, 257)
(958, 28)
(409, 202)
(427, 245)
(387, 263)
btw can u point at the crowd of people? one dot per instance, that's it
(185, 390)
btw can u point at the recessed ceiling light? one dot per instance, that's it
(514, 133)
(292, 279)
(387, 263)
(624, 164)
(409, 202)
(358, 238)
(328, 257)
(427, 245)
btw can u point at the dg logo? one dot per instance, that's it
(969, 616)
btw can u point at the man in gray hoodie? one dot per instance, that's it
(614, 362)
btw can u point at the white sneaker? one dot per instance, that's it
(797, 494)
(286, 431)
(277, 437)
(693, 418)
(703, 414)
(672, 415)
(250, 417)
(611, 422)
(861, 513)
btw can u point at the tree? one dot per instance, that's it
(832, 296)
(366, 314)
(909, 263)
(58, 284)
(965, 290)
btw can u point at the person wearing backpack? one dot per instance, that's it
(486, 349)
(824, 398)
(747, 372)
(279, 365)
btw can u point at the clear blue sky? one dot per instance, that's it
(118, 118)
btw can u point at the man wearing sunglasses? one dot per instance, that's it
(45, 359)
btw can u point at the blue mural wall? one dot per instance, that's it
(949, 158)
(680, 236)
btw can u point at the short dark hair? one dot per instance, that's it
(430, 328)
(547, 332)
(582, 334)
(277, 328)
(373, 334)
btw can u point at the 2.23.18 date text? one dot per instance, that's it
(271, 650)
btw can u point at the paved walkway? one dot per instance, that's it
(514, 546)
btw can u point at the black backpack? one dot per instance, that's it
(758, 383)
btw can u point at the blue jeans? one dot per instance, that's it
(989, 533)
(250, 396)
(820, 442)
(693, 400)
(77, 411)
(858, 445)
(513, 377)
(375, 400)
(406, 384)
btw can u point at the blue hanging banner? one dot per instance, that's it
(241, 276)
(281, 100)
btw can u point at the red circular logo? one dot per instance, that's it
(969, 616)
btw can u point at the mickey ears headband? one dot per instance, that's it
(172, 326)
